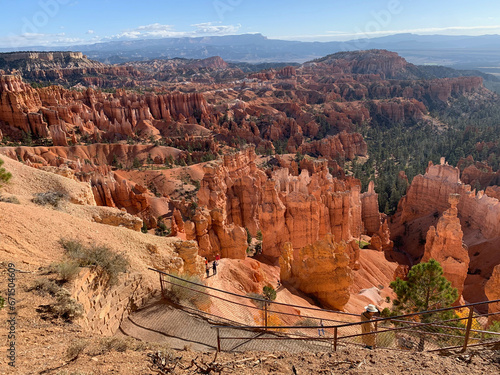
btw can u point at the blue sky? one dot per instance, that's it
(67, 22)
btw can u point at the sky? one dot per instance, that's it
(72, 22)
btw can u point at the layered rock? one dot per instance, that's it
(320, 269)
(344, 145)
(492, 291)
(188, 252)
(444, 244)
(117, 218)
(25, 110)
(479, 218)
(297, 209)
(429, 194)
(370, 212)
(215, 235)
(230, 193)
(302, 209)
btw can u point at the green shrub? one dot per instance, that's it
(75, 349)
(12, 199)
(52, 198)
(136, 163)
(269, 292)
(307, 322)
(249, 236)
(162, 230)
(4, 175)
(257, 299)
(67, 271)
(178, 292)
(45, 286)
(386, 313)
(66, 307)
(116, 344)
(259, 235)
(111, 263)
(493, 327)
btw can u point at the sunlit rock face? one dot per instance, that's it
(444, 244)
(320, 269)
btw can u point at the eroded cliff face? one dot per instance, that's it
(428, 195)
(93, 114)
(479, 220)
(343, 145)
(320, 269)
(291, 209)
(492, 291)
(444, 244)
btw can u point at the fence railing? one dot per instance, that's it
(249, 322)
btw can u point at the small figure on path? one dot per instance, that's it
(321, 331)
(207, 267)
(214, 267)
(366, 328)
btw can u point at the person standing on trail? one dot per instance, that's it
(366, 328)
(321, 331)
(207, 268)
(214, 267)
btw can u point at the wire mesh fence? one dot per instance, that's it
(251, 322)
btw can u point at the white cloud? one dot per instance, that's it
(38, 39)
(151, 31)
(210, 28)
(157, 30)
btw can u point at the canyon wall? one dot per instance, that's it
(416, 228)
(95, 114)
(492, 291)
(429, 194)
(300, 210)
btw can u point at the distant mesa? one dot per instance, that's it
(44, 56)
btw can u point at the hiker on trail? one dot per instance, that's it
(217, 258)
(321, 331)
(366, 316)
(214, 266)
(207, 268)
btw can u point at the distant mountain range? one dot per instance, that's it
(462, 52)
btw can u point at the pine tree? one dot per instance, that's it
(426, 289)
(269, 293)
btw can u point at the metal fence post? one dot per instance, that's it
(265, 314)
(218, 340)
(161, 283)
(467, 331)
(335, 339)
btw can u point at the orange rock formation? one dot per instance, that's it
(298, 209)
(321, 269)
(444, 244)
(492, 290)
